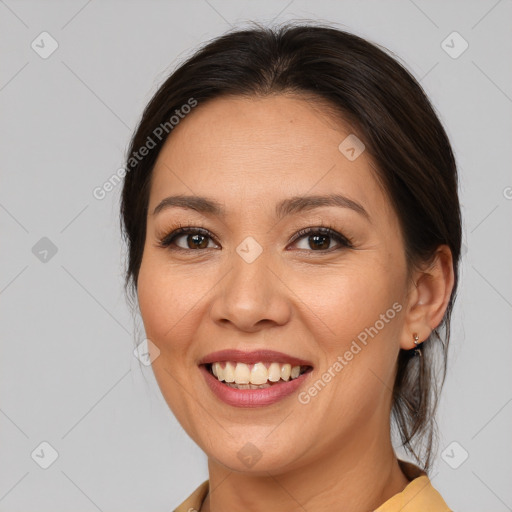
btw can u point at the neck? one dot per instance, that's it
(361, 475)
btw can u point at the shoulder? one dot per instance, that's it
(195, 500)
(419, 495)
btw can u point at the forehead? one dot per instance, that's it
(245, 150)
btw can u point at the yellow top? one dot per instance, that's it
(418, 496)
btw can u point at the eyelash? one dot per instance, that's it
(325, 230)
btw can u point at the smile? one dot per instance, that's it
(253, 379)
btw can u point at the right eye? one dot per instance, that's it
(191, 239)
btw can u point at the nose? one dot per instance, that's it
(251, 297)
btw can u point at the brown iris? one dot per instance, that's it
(314, 240)
(197, 241)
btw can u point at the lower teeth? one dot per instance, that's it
(246, 386)
(253, 386)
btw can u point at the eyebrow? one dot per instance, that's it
(284, 208)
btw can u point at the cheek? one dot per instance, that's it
(171, 301)
(346, 303)
(354, 316)
(169, 308)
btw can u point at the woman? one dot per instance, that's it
(294, 232)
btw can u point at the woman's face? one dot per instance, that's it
(251, 284)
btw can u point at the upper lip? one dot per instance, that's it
(253, 357)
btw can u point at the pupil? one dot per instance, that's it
(315, 238)
(195, 239)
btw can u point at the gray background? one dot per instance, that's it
(68, 374)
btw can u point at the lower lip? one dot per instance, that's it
(252, 397)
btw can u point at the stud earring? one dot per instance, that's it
(417, 350)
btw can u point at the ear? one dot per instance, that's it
(428, 297)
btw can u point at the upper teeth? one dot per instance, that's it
(241, 373)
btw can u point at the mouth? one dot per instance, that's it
(252, 379)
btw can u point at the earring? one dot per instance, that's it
(417, 350)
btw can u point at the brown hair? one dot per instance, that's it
(402, 134)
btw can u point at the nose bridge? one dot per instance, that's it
(251, 295)
(249, 284)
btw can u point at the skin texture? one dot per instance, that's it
(248, 154)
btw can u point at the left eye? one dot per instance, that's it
(319, 239)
